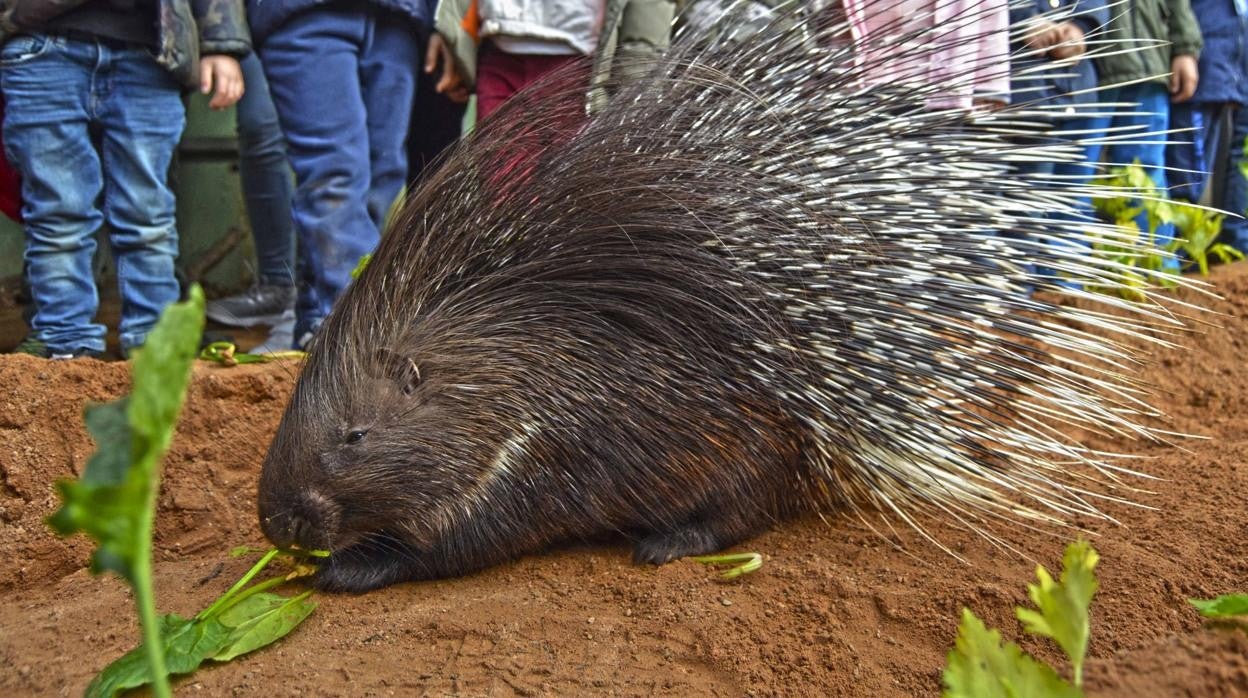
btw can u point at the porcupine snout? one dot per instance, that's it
(309, 521)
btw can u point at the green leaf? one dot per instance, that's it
(241, 620)
(259, 620)
(981, 666)
(1225, 606)
(1063, 606)
(187, 643)
(106, 502)
(360, 265)
(738, 563)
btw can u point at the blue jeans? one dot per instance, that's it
(92, 128)
(1149, 116)
(343, 79)
(1076, 174)
(1201, 153)
(265, 176)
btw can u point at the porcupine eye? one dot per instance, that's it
(355, 437)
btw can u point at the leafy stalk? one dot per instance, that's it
(982, 665)
(738, 563)
(115, 500)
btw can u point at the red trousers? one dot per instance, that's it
(501, 75)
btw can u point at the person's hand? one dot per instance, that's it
(1070, 43)
(1042, 35)
(221, 77)
(451, 83)
(1183, 78)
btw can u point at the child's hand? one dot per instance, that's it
(1071, 42)
(223, 78)
(1183, 78)
(1042, 34)
(451, 83)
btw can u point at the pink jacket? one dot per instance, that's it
(958, 49)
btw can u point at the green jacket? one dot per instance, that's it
(1170, 21)
(187, 29)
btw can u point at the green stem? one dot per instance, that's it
(262, 586)
(145, 597)
(227, 596)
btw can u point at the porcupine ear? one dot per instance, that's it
(388, 364)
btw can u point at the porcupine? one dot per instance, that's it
(752, 286)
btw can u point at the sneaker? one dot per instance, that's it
(75, 354)
(258, 305)
(281, 337)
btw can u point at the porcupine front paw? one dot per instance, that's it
(663, 547)
(365, 567)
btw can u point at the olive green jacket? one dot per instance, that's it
(187, 29)
(1170, 21)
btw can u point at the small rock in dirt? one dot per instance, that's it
(725, 602)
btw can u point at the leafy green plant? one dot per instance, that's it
(737, 563)
(360, 265)
(243, 619)
(981, 664)
(1196, 229)
(114, 502)
(1223, 607)
(227, 354)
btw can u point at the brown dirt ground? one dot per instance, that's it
(836, 610)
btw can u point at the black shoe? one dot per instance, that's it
(258, 305)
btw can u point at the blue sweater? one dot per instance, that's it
(265, 16)
(1224, 60)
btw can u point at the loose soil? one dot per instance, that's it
(836, 610)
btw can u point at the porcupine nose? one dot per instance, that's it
(306, 522)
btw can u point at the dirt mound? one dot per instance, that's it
(836, 610)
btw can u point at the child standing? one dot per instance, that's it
(93, 112)
(342, 74)
(500, 47)
(1156, 66)
(1221, 99)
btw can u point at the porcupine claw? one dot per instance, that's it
(699, 538)
(368, 565)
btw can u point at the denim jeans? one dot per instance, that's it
(343, 79)
(1148, 115)
(92, 128)
(1194, 159)
(265, 177)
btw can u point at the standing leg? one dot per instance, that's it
(142, 117)
(46, 85)
(1191, 158)
(499, 76)
(389, 60)
(264, 174)
(436, 122)
(1150, 119)
(313, 68)
(1235, 199)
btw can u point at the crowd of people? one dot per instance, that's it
(356, 97)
